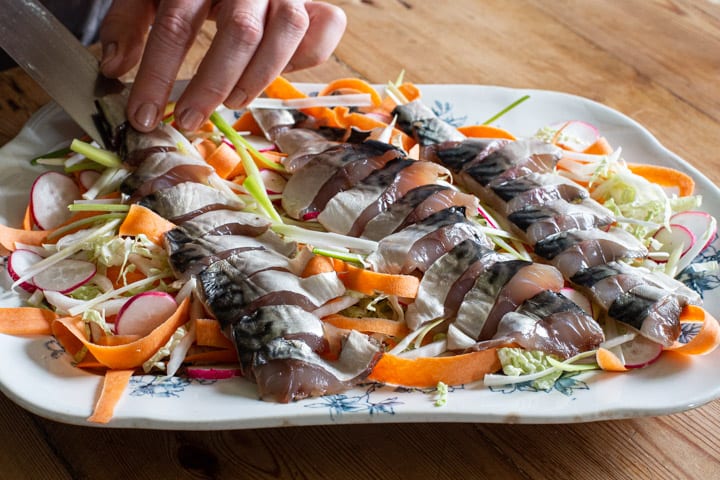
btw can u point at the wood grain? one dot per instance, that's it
(657, 61)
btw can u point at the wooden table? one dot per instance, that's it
(657, 61)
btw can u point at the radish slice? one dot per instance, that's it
(273, 181)
(50, 196)
(702, 225)
(640, 352)
(144, 312)
(676, 237)
(18, 264)
(213, 373)
(88, 178)
(576, 135)
(65, 275)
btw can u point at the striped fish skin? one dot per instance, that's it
(331, 171)
(417, 246)
(549, 220)
(551, 323)
(187, 200)
(423, 125)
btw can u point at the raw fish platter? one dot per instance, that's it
(353, 253)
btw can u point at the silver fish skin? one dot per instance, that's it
(332, 171)
(186, 200)
(417, 246)
(440, 281)
(550, 323)
(229, 292)
(422, 124)
(286, 370)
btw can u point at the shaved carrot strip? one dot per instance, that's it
(9, 236)
(247, 123)
(209, 334)
(283, 89)
(318, 264)
(346, 119)
(206, 127)
(114, 274)
(205, 148)
(354, 84)
(26, 321)
(600, 147)
(665, 176)
(111, 340)
(113, 387)
(27, 223)
(70, 333)
(485, 131)
(226, 162)
(410, 90)
(369, 282)
(368, 325)
(608, 361)
(706, 340)
(143, 220)
(428, 371)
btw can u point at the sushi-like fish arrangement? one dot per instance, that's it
(421, 215)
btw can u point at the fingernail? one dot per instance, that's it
(190, 119)
(289, 68)
(237, 98)
(108, 54)
(146, 115)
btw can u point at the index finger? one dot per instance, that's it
(176, 24)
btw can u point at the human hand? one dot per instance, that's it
(256, 41)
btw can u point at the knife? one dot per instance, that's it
(57, 61)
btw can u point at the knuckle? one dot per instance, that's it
(174, 24)
(295, 18)
(244, 27)
(211, 93)
(156, 80)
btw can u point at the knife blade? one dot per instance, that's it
(56, 60)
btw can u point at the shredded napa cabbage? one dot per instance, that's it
(516, 362)
(92, 316)
(157, 361)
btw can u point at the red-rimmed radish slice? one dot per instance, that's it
(50, 196)
(18, 264)
(575, 135)
(144, 312)
(65, 275)
(702, 225)
(213, 373)
(578, 298)
(640, 352)
(673, 238)
(88, 178)
(273, 181)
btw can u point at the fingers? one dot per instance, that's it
(254, 42)
(122, 35)
(176, 24)
(240, 29)
(327, 25)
